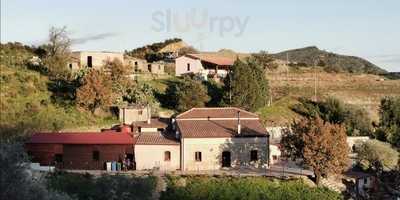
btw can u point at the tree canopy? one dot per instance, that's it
(96, 91)
(390, 120)
(321, 145)
(246, 85)
(185, 94)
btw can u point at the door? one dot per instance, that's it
(89, 61)
(226, 159)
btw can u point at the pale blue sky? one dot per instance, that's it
(366, 28)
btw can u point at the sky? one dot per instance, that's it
(365, 28)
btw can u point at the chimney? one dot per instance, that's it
(148, 114)
(239, 128)
(125, 128)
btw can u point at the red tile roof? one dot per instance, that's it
(220, 128)
(156, 139)
(214, 59)
(154, 123)
(223, 112)
(82, 138)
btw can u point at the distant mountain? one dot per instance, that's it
(310, 56)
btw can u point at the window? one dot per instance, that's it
(149, 67)
(136, 63)
(89, 61)
(274, 157)
(253, 155)
(58, 158)
(96, 155)
(197, 156)
(70, 65)
(365, 181)
(167, 156)
(188, 67)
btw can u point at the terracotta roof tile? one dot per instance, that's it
(215, 59)
(154, 123)
(156, 139)
(110, 137)
(223, 112)
(220, 128)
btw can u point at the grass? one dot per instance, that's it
(279, 113)
(27, 106)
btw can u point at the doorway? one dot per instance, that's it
(226, 159)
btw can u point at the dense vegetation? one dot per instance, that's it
(193, 188)
(246, 85)
(16, 182)
(106, 187)
(389, 125)
(151, 52)
(30, 100)
(355, 119)
(310, 56)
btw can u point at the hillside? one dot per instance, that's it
(27, 103)
(308, 56)
(364, 90)
(156, 48)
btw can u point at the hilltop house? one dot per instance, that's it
(97, 59)
(205, 65)
(198, 139)
(92, 59)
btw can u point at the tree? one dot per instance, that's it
(119, 77)
(96, 91)
(321, 145)
(265, 59)
(15, 180)
(354, 118)
(185, 94)
(390, 119)
(57, 53)
(246, 85)
(376, 155)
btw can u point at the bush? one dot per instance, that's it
(106, 187)
(241, 188)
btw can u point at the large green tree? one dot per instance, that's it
(321, 145)
(246, 85)
(185, 94)
(390, 120)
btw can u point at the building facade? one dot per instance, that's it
(206, 66)
(198, 139)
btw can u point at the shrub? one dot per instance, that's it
(106, 187)
(242, 188)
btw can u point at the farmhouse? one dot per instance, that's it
(97, 59)
(205, 65)
(91, 150)
(92, 59)
(198, 139)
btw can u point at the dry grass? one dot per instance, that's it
(365, 90)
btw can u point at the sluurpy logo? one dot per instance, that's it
(198, 21)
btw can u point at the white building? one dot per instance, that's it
(205, 65)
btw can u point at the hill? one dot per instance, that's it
(310, 56)
(364, 90)
(156, 49)
(27, 103)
